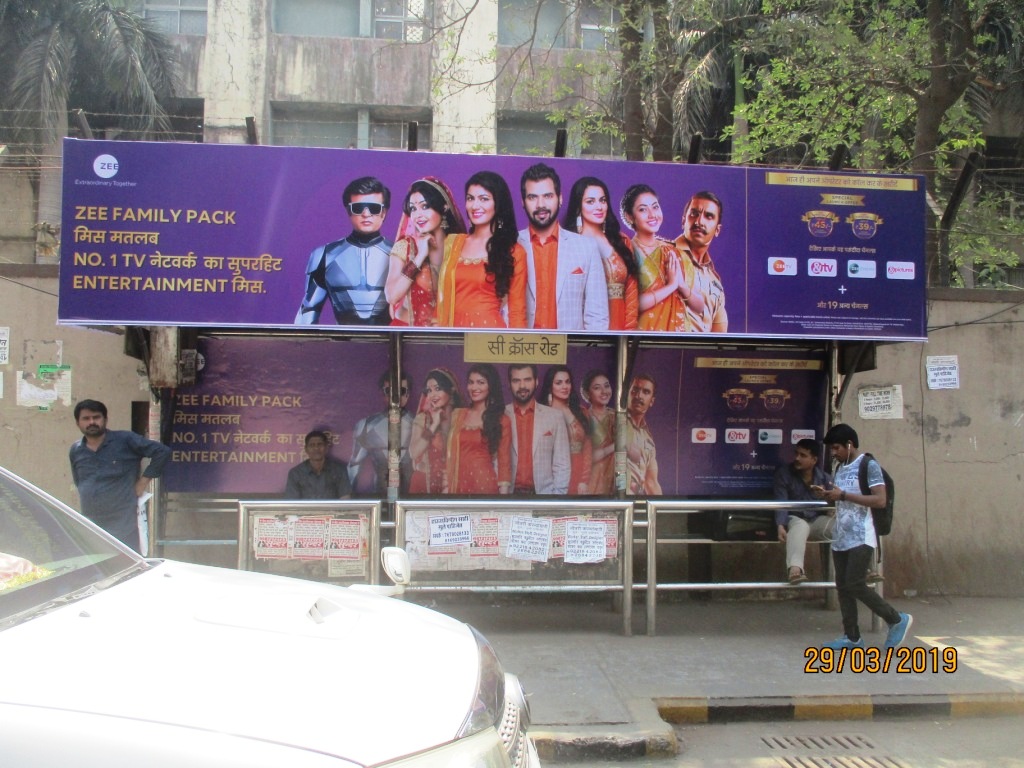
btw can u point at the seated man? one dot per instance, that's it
(793, 482)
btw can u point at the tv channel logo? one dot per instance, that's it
(105, 166)
(860, 268)
(769, 436)
(822, 268)
(737, 436)
(899, 270)
(781, 265)
(704, 435)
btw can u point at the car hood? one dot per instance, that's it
(270, 658)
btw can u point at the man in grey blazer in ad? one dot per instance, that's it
(539, 437)
(572, 294)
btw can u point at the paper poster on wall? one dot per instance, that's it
(881, 402)
(529, 538)
(943, 371)
(5, 345)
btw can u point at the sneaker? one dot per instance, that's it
(844, 642)
(898, 631)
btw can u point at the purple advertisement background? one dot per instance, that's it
(244, 202)
(280, 389)
(318, 384)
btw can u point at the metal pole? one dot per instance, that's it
(624, 367)
(83, 123)
(696, 144)
(839, 157)
(561, 140)
(395, 419)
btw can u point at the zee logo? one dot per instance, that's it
(781, 266)
(105, 166)
(703, 435)
(821, 268)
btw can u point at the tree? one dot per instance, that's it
(57, 55)
(907, 84)
(888, 78)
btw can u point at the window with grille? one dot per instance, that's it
(598, 24)
(309, 125)
(401, 20)
(404, 20)
(177, 17)
(523, 133)
(316, 18)
(545, 23)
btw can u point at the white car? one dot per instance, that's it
(108, 659)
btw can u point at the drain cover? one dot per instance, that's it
(844, 750)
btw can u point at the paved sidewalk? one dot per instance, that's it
(596, 693)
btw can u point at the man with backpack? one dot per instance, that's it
(855, 538)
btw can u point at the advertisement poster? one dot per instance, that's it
(265, 237)
(706, 423)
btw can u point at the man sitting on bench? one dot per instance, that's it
(794, 482)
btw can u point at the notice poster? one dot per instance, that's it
(348, 550)
(271, 538)
(309, 540)
(585, 542)
(529, 538)
(163, 233)
(486, 539)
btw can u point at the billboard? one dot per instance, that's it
(716, 424)
(287, 237)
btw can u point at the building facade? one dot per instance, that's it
(356, 73)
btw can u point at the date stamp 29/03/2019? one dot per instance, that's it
(872, 660)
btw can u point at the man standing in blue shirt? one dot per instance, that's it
(105, 465)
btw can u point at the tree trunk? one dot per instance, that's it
(665, 80)
(630, 40)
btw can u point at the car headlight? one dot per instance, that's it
(499, 707)
(488, 702)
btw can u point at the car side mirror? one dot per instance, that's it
(396, 565)
(395, 561)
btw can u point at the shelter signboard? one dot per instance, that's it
(716, 424)
(260, 237)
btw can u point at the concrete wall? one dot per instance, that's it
(957, 455)
(34, 441)
(17, 215)
(349, 71)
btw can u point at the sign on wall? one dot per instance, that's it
(267, 237)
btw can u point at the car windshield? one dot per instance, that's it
(48, 555)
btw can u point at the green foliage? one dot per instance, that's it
(57, 55)
(860, 73)
(988, 237)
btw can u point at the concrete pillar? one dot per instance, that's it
(465, 118)
(233, 71)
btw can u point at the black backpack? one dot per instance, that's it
(883, 516)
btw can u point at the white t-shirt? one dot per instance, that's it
(854, 524)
